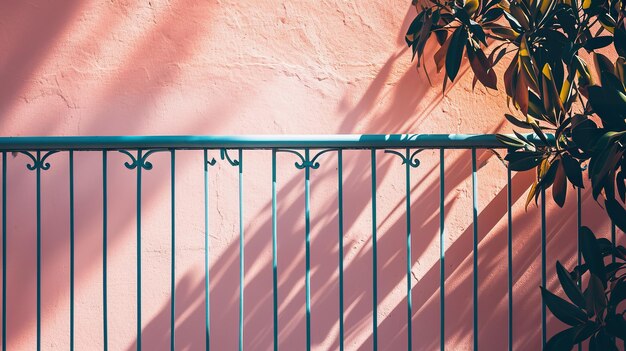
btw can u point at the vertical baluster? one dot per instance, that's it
(207, 330)
(442, 252)
(543, 264)
(408, 252)
(613, 240)
(307, 221)
(38, 171)
(475, 255)
(104, 250)
(139, 166)
(241, 250)
(4, 251)
(578, 225)
(340, 195)
(374, 256)
(274, 252)
(509, 215)
(173, 269)
(71, 175)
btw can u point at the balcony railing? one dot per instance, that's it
(308, 151)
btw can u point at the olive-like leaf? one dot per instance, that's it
(559, 189)
(620, 180)
(510, 79)
(493, 14)
(570, 288)
(440, 55)
(591, 252)
(505, 32)
(596, 297)
(510, 141)
(520, 96)
(598, 42)
(563, 310)
(572, 170)
(616, 326)
(455, 52)
(616, 212)
(607, 21)
(524, 160)
(563, 340)
(618, 293)
(516, 122)
(620, 41)
(482, 67)
(602, 64)
(520, 16)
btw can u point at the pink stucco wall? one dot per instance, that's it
(248, 67)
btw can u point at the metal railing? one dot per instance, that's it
(307, 149)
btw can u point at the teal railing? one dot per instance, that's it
(307, 149)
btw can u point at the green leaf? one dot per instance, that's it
(598, 42)
(563, 340)
(605, 342)
(620, 41)
(535, 108)
(588, 329)
(572, 170)
(505, 32)
(510, 141)
(550, 174)
(510, 79)
(516, 122)
(527, 67)
(602, 64)
(602, 165)
(616, 212)
(414, 29)
(563, 310)
(618, 293)
(518, 13)
(585, 134)
(520, 96)
(621, 184)
(539, 133)
(616, 326)
(470, 6)
(482, 67)
(478, 33)
(570, 288)
(607, 21)
(559, 189)
(591, 252)
(440, 55)
(455, 52)
(609, 103)
(492, 15)
(524, 160)
(595, 296)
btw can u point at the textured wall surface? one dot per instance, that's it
(139, 67)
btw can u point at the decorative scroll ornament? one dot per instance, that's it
(38, 161)
(142, 161)
(224, 156)
(408, 158)
(305, 160)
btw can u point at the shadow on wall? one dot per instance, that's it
(225, 268)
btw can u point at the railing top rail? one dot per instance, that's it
(343, 141)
